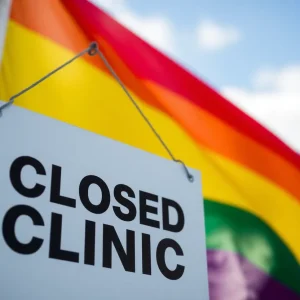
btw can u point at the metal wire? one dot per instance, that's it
(12, 99)
(92, 50)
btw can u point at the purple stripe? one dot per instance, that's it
(233, 277)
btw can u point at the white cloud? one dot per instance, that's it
(155, 29)
(213, 36)
(274, 101)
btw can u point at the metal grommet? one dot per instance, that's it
(93, 49)
(190, 177)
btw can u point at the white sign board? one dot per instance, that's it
(86, 217)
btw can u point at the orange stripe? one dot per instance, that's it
(50, 19)
(209, 131)
(201, 125)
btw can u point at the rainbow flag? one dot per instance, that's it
(251, 179)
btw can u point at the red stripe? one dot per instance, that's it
(149, 64)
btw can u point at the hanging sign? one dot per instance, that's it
(87, 217)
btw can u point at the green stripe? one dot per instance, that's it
(233, 229)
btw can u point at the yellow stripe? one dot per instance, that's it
(83, 96)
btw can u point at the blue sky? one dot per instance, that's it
(268, 34)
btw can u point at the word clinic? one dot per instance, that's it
(123, 195)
